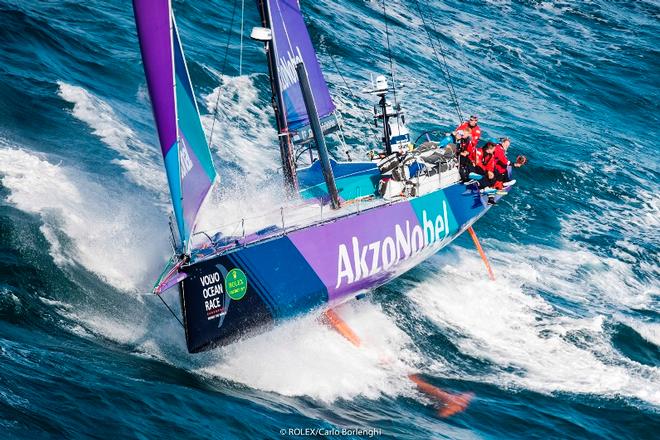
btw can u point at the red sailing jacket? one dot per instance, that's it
(476, 156)
(487, 161)
(501, 161)
(475, 133)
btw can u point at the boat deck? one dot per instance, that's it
(358, 194)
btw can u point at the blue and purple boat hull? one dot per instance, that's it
(255, 285)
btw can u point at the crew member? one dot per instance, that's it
(465, 164)
(473, 131)
(486, 166)
(487, 169)
(502, 164)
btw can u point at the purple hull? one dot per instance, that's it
(252, 287)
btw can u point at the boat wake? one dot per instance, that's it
(308, 358)
(525, 327)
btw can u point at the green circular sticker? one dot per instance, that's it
(236, 284)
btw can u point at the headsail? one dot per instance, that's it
(293, 45)
(188, 161)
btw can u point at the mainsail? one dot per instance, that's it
(292, 45)
(188, 162)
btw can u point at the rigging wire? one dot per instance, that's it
(389, 54)
(171, 311)
(340, 123)
(222, 69)
(350, 91)
(444, 66)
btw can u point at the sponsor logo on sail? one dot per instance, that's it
(286, 68)
(358, 260)
(185, 163)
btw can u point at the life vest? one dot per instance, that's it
(462, 145)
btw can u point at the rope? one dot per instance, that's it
(340, 123)
(444, 67)
(222, 70)
(171, 311)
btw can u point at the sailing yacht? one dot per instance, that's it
(376, 219)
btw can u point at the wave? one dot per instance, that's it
(141, 162)
(243, 133)
(536, 324)
(85, 222)
(307, 358)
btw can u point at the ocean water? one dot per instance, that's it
(564, 344)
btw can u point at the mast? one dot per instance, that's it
(380, 89)
(286, 146)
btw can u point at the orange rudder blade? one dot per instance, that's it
(341, 326)
(491, 275)
(453, 403)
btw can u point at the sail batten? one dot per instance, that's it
(188, 162)
(292, 45)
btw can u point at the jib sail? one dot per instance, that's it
(188, 162)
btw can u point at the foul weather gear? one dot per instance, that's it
(475, 133)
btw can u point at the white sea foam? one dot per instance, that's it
(243, 135)
(301, 357)
(84, 222)
(636, 214)
(636, 217)
(142, 163)
(647, 330)
(533, 343)
(306, 357)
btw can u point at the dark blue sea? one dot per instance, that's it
(564, 344)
